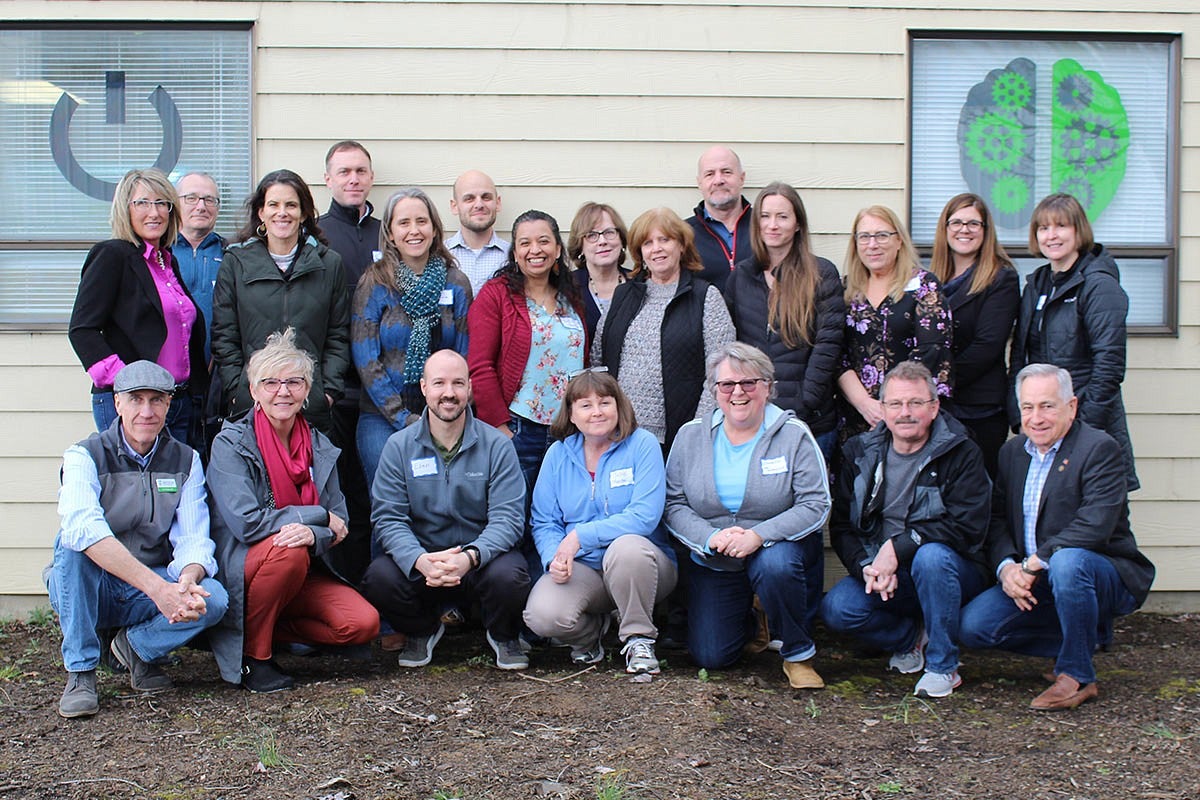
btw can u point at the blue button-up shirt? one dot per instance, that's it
(1035, 480)
(198, 268)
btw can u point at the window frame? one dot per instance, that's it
(1168, 250)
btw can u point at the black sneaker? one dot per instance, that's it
(79, 699)
(264, 677)
(143, 676)
(418, 650)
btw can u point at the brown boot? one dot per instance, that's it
(801, 675)
(1065, 693)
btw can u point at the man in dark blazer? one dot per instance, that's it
(1059, 542)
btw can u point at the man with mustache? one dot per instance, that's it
(449, 501)
(910, 514)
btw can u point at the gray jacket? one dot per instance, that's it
(787, 490)
(243, 513)
(420, 504)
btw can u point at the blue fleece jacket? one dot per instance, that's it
(626, 497)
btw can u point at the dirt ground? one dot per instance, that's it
(355, 730)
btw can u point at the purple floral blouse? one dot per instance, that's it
(916, 327)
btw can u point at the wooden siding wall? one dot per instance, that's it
(567, 102)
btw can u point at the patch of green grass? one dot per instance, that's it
(1177, 688)
(1160, 731)
(42, 617)
(613, 786)
(441, 795)
(10, 672)
(811, 709)
(906, 711)
(264, 746)
(857, 685)
(890, 787)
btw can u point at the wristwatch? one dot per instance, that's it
(1025, 567)
(473, 554)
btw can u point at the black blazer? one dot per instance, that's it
(983, 323)
(118, 310)
(1084, 504)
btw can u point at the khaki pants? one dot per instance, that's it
(635, 575)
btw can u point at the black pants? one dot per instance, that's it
(989, 433)
(351, 557)
(412, 607)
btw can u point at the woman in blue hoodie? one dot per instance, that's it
(597, 511)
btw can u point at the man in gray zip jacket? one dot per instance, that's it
(448, 511)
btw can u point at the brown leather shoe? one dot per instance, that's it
(801, 675)
(1065, 693)
(393, 642)
(762, 636)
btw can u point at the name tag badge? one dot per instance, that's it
(377, 255)
(447, 298)
(571, 323)
(1041, 302)
(774, 466)
(424, 466)
(166, 485)
(620, 477)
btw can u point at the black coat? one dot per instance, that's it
(118, 310)
(983, 323)
(1084, 504)
(949, 505)
(718, 261)
(1083, 331)
(805, 376)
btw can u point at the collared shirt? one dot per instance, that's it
(198, 266)
(83, 522)
(478, 265)
(719, 229)
(179, 314)
(1035, 480)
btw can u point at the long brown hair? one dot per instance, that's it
(791, 304)
(992, 257)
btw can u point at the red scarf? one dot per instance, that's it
(290, 470)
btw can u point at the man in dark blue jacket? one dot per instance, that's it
(910, 513)
(722, 219)
(1059, 542)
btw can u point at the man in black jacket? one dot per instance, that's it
(353, 234)
(910, 513)
(722, 219)
(1059, 542)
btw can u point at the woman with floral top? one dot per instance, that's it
(895, 311)
(527, 338)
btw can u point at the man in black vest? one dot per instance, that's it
(133, 551)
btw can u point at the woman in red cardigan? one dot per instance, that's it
(526, 339)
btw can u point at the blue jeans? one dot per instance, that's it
(86, 598)
(1077, 599)
(179, 417)
(934, 588)
(531, 440)
(786, 576)
(371, 435)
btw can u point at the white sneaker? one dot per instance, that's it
(911, 661)
(937, 684)
(639, 656)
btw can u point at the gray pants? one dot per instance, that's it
(635, 575)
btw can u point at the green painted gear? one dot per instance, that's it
(1010, 194)
(1090, 136)
(994, 142)
(1079, 187)
(1011, 91)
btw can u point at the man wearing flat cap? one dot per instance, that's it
(133, 551)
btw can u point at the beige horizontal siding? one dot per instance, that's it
(613, 101)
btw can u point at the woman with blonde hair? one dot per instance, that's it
(133, 305)
(981, 288)
(895, 311)
(788, 303)
(671, 319)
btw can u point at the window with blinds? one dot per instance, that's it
(79, 107)
(1015, 119)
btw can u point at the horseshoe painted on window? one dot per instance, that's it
(81, 179)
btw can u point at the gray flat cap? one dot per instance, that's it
(144, 375)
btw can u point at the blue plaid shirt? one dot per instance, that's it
(1035, 479)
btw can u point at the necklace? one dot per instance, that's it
(593, 286)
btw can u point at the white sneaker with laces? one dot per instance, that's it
(937, 684)
(639, 656)
(911, 661)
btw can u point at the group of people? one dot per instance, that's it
(402, 430)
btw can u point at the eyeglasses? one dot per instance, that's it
(972, 225)
(609, 234)
(273, 385)
(579, 372)
(158, 205)
(749, 385)
(883, 237)
(206, 199)
(912, 405)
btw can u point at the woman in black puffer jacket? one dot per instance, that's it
(788, 303)
(1073, 316)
